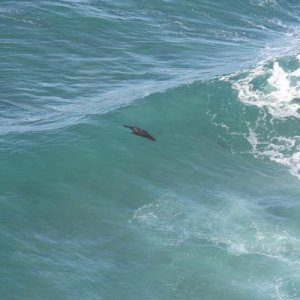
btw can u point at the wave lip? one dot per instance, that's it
(273, 88)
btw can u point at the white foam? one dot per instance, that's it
(263, 3)
(275, 91)
(292, 162)
(282, 150)
(173, 223)
(276, 94)
(252, 139)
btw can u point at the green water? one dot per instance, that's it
(210, 210)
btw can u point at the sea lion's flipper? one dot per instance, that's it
(150, 137)
(128, 126)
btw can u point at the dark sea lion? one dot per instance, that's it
(141, 132)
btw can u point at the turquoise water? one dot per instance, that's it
(208, 211)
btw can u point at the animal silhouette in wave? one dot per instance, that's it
(141, 132)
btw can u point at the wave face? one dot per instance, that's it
(208, 211)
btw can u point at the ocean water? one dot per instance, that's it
(210, 210)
